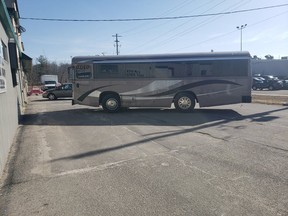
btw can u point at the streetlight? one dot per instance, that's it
(240, 28)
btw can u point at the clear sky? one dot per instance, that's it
(266, 31)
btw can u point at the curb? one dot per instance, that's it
(270, 99)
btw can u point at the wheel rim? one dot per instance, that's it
(51, 97)
(184, 103)
(111, 104)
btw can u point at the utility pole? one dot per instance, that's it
(241, 28)
(117, 43)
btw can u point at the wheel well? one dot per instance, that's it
(103, 94)
(186, 92)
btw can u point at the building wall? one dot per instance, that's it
(276, 67)
(8, 106)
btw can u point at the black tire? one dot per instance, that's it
(52, 97)
(254, 87)
(184, 102)
(271, 88)
(111, 103)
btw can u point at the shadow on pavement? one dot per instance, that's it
(200, 125)
(97, 117)
(199, 119)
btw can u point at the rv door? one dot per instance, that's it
(71, 74)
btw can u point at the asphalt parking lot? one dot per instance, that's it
(78, 160)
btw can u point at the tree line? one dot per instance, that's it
(43, 66)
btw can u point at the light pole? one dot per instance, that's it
(241, 28)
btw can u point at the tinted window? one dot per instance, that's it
(106, 71)
(230, 68)
(138, 70)
(220, 68)
(172, 69)
(83, 71)
(122, 70)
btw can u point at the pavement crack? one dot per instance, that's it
(212, 136)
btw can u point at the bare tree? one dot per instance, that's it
(44, 66)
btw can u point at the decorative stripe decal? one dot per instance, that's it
(82, 97)
(169, 92)
(193, 85)
(152, 87)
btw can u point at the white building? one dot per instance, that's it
(276, 67)
(14, 65)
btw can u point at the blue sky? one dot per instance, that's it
(266, 31)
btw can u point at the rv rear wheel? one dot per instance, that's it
(184, 102)
(111, 103)
(271, 88)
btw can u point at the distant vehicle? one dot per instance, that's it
(34, 90)
(48, 85)
(285, 84)
(49, 81)
(258, 83)
(63, 91)
(161, 80)
(268, 82)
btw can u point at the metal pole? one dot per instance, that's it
(241, 39)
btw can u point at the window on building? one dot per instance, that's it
(4, 52)
(1, 53)
(3, 87)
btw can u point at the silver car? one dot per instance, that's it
(63, 91)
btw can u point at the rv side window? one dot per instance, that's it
(230, 68)
(122, 70)
(201, 69)
(137, 71)
(106, 71)
(83, 71)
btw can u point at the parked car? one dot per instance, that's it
(285, 84)
(49, 85)
(62, 91)
(268, 82)
(258, 83)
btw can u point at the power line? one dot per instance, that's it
(195, 27)
(154, 40)
(228, 33)
(179, 6)
(151, 18)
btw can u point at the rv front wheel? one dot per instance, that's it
(184, 102)
(111, 103)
